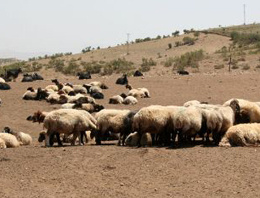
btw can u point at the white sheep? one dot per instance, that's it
(130, 100)
(156, 119)
(52, 87)
(30, 94)
(138, 93)
(117, 99)
(115, 121)
(68, 121)
(132, 139)
(23, 138)
(188, 121)
(2, 144)
(10, 140)
(2, 80)
(99, 84)
(193, 103)
(80, 89)
(242, 135)
(67, 106)
(88, 107)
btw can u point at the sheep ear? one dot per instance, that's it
(234, 104)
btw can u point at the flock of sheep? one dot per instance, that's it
(80, 117)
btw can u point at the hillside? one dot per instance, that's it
(158, 56)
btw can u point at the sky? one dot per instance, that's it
(36, 27)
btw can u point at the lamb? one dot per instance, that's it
(115, 121)
(242, 135)
(68, 121)
(132, 139)
(10, 140)
(23, 138)
(130, 100)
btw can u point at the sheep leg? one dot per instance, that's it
(47, 140)
(75, 135)
(58, 139)
(119, 140)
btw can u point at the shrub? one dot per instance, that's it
(57, 64)
(220, 66)
(87, 49)
(188, 40)
(176, 33)
(178, 43)
(246, 67)
(169, 62)
(189, 59)
(72, 68)
(169, 45)
(196, 34)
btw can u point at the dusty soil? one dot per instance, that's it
(112, 171)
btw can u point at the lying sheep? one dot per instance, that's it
(193, 103)
(132, 139)
(68, 121)
(10, 140)
(89, 107)
(99, 84)
(2, 144)
(23, 138)
(138, 93)
(117, 99)
(130, 100)
(2, 80)
(242, 135)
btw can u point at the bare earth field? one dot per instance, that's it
(112, 171)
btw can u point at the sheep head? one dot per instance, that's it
(37, 117)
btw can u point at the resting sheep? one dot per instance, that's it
(130, 100)
(23, 138)
(138, 93)
(10, 140)
(132, 139)
(242, 135)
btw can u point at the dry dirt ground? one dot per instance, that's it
(112, 171)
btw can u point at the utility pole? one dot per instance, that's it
(127, 44)
(244, 14)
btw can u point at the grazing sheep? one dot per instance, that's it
(156, 119)
(122, 80)
(187, 121)
(68, 121)
(130, 100)
(10, 140)
(132, 139)
(2, 144)
(115, 121)
(23, 138)
(242, 135)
